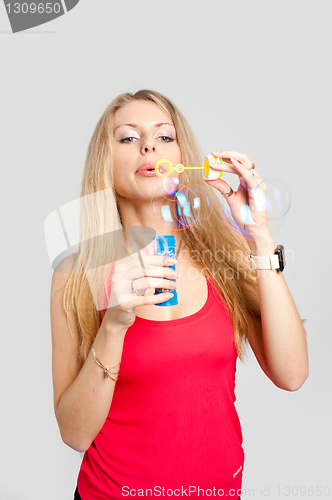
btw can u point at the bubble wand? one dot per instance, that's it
(208, 173)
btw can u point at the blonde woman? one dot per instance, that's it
(148, 392)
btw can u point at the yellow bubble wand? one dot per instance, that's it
(208, 173)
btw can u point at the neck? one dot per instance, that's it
(143, 213)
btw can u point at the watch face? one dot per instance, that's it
(280, 251)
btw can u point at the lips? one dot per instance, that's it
(147, 169)
(146, 166)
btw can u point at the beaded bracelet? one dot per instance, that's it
(106, 372)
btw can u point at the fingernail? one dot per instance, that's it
(170, 261)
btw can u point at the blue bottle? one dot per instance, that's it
(165, 245)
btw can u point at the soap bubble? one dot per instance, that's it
(277, 196)
(231, 223)
(271, 196)
(185, 203)
(171, 185)
(181, 211)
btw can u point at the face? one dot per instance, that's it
(143, 134)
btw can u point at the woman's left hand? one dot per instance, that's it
(247, 204)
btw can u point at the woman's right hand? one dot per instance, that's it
(123, 300)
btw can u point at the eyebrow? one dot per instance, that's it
(135, 126)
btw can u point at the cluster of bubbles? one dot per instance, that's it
(271, 196)
(185, 201)
(186, 205)
(180, 210)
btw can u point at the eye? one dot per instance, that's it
(166, 138)
(127, 139)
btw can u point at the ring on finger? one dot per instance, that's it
(230, 192)
(252, 167)
(133, 288)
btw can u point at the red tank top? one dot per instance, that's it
(172, 427)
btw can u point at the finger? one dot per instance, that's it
(250, 175)
(241, 157)
(151, 260)
(144, 283)
(238, 160)
(160, 260)
(153, 271)
(145, 300)
(224, 166)
(222, 186)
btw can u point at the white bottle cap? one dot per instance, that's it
(210, 174)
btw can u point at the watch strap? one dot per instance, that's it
(265, 261)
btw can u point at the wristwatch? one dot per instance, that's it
(276, 261)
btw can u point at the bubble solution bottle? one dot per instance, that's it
(165, 245)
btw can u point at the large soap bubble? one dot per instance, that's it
(189, 205)
(271, 196)
(277, 198)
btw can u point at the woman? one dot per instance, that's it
(148, 392)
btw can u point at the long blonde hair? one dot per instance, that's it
(220, 252)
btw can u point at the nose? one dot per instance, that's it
(148, 147)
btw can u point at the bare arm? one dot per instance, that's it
(279, 339)
(84, 406)
(82, 395)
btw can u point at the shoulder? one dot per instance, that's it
(66, 266)
(62, 273)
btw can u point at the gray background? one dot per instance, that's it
(252, 76)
